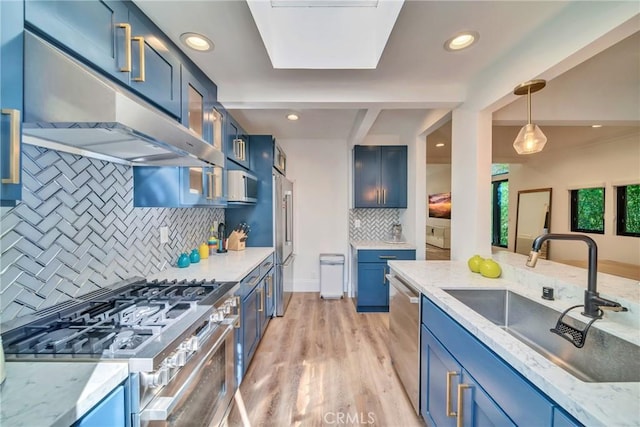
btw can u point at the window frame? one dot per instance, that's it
(495, 213)
(621, 211)
(573, 203)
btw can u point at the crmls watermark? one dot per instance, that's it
(349, 418)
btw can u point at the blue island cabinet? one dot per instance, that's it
(111, 411)
(11, 41)
(380, 176)
(464, 381)
(371, 286)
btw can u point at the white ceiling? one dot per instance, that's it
(519, 40)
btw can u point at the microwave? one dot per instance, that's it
(241, 187)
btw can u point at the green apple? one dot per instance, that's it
(490, 268)
(474, 263)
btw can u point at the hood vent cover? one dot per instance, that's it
(68, 104)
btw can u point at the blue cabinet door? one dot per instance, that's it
(251, 325)
(366, 176)
(450, 396)
(109, 412)
(237, 143)
(475, 407)
(393, 176)
(373, 290)
(11, 42)
(438, 367)
(155, 71)
(93, 30)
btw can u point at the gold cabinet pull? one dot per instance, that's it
(141, 75)
(384, 276)
(239, 305)
(127, 46)
(261, 309)
(387, 256)
(270, 286)
(384, 196)
(269, 290)
(14, 146)
(448, 410)
(461, 388)
(378, 196)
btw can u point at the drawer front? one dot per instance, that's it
(386, 255)
(249, 282)
(524, 404)
(266, 265)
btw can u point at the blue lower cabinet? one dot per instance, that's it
(371, 286)
(111, 411)
(251, 326)
(493, 393)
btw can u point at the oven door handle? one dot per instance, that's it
(160, 408)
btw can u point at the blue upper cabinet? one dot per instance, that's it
(117, 39)
(155, 71)
(237, 143)
(97, 31)
(380, 176)
(11, 41)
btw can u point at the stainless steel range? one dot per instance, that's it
(178, 338)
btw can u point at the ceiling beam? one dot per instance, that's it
(361, 125)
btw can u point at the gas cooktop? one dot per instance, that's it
(114, 323)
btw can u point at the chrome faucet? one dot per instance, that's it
(593, 303)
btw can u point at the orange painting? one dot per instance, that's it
(440, 205)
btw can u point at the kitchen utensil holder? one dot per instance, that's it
(570, 333)
(236, 242)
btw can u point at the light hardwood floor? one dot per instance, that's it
(323, 364)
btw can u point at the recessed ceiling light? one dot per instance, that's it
(596, 126)
(197, 42)
(293, 116)
(461, 41)
(440, 144)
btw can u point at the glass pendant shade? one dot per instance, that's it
(530, 140)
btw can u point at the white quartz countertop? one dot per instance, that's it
(380, 244)
(594, 404)
(232, 266)
(55, 393)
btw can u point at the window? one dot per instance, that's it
(628, 212)
(500, 214)
(587, 210)
(499, 168)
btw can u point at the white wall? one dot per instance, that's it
(608, 163)
(319, 171)
(438, 181)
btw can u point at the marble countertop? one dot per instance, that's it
(232, 266)
(605, 404)
(380, 244)
(55, 393)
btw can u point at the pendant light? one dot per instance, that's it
(530, 139)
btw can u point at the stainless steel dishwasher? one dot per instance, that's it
(404, 336)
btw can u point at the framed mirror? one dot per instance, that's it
(533, 218)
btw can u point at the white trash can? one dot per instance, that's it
(331, 275)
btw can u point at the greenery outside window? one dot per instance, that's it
(628, 210)
(500, 213)
(587, 210)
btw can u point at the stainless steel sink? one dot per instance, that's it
(604, 357)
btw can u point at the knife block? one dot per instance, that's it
(234, 243)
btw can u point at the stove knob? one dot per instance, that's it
(192, 344)
(181, 358)
(161, 377)
(170, 362)
(232, 302)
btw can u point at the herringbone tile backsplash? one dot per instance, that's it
(76, 230)
(375, 224)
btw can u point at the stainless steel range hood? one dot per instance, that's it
(67, 104)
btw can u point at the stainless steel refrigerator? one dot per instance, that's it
(283, 237)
